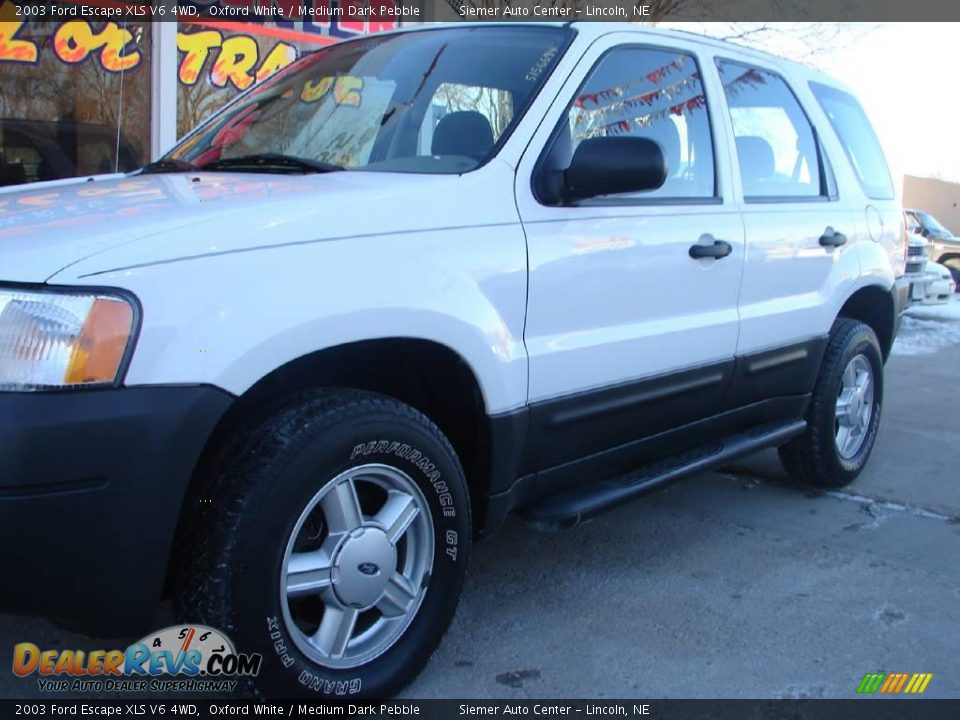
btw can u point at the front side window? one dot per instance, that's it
(913, 223)
(436, 101)
(649, 93)
(859, 141)
(776, 145)
(932, 227)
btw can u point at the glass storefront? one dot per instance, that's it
(77, 97)
(217, 62)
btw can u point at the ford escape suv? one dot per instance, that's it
(412, 283)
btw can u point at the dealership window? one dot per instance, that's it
(215, 65)
(76, 99)
(65, 87)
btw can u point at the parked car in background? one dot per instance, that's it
(944, 245)
(937, 285)
(915, 269)
(918, 252)
(33, 151)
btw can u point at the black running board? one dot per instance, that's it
(586, 501)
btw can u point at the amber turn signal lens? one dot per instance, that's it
(99, 349)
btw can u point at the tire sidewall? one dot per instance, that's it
(862, 343)
(263, 534)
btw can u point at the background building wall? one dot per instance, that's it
(937, 197)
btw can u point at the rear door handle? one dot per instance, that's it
(832, 238)
(719, 249)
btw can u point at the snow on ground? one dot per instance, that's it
(926, 329)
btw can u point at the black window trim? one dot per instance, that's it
(621, 201)
(828, 191)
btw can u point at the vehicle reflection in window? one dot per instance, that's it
(32, 150)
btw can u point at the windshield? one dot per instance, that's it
(435, 101)
(931, 224)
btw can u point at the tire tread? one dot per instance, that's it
(806, 458)
(202, 580)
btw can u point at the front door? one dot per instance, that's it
(631, 329)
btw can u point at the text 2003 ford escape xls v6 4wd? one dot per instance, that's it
(413, 283)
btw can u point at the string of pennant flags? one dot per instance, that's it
(652, 77)
(625, 125)
(647, 99)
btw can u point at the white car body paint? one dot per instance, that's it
(614, 295)
(269, 268)
(239, 274)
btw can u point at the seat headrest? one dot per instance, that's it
(756, 158)
(466, 132)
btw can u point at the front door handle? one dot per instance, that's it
(832, 238)
(719, 249)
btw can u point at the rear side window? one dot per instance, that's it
(776, 145)
(859, 141)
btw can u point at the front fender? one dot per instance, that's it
(230, 320)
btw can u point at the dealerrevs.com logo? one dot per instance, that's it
(191, 658)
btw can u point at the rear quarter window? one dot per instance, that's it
(858, 139)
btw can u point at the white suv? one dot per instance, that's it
(410, 284)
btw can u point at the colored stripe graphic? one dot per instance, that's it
(870, 683)
(894, 683)
(918, 683)
(889, 682)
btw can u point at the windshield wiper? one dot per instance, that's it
(272, 162)
(164, 165)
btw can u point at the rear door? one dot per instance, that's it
(799, 231)
(627, 333)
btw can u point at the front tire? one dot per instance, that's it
(333, 541)
(844, 413)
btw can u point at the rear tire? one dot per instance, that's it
(333, 540)
(844, 413)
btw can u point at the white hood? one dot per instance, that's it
(91, 226)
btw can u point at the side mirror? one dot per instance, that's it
(611, 165)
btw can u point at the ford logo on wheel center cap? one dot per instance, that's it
(368, 568)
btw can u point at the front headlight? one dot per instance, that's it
(62, 339)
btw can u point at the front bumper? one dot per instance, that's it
(91, 487)
(938, 290)
(919, 286)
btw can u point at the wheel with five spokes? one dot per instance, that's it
(844, 413)
(334, 542)
(353, 578)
